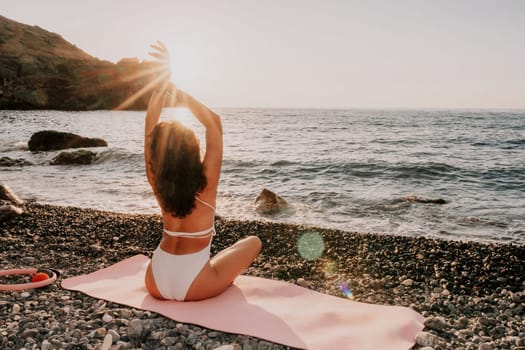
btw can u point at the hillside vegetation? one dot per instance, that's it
(41, 70)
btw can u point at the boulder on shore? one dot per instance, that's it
(8, 211)
(80, 156)
(53, 140)
(9, 203)
(267, 202)
(6, 195)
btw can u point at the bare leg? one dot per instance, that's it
(216, 276)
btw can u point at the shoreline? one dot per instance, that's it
(472, 293)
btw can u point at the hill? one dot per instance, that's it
(41, 70)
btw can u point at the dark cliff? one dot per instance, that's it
(41, 70)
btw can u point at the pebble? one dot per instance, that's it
(106, 344)
(135, 328)
(114, 334)
(408, 282)
(477, 312)
(485, 346)
(303, 283)
(437, 323)
(125, 313)
(168, 341)
(16, 308)
(426, 339)
(46, 345)
(101, 332)
(107, 318)
(229, 347)
(29, 333)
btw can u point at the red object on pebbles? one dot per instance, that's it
(41, 278)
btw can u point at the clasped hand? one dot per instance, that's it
(165, 89)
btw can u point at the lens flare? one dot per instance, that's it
(180, 114)
(346, 291)
(330, 267)
(310, 245)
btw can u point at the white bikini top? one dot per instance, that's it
(200, 234)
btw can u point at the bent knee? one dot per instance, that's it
(255, 243)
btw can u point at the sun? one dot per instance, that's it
(183, 68)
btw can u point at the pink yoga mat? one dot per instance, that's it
(273, 310)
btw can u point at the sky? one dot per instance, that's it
(310, 54)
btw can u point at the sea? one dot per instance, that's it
(353, 170)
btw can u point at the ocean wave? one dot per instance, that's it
(428, 170)
(11, 146)
(511, 144)
(504, 178)
(367, 169)
(118, 156)
(507, 144)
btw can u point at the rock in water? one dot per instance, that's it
(422, 200)
(268, 202)
(77, 157)
(6, 161)
(52, 140)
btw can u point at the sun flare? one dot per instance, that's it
(182, 68)
(180, 114)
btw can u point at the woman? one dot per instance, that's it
(186, 189)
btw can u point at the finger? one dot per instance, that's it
(161, 44)
(158, 56)
(158, 48)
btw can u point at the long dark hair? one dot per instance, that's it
(178, 173)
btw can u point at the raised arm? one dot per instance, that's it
(156, 101)
(214, 144)
(155, 104)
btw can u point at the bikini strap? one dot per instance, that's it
(205, 203)
(200, 234)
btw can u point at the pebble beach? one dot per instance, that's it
(472, 294)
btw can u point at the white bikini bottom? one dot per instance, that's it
(174, 274)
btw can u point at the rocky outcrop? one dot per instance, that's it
(6, 161)
(54, 140)
(267, 202)
(41, 70)
(81, 156)
(9, 203)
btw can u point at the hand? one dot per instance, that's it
(161, 52)
(162, 56)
